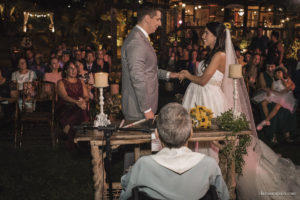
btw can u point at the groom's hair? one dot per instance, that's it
(146, 9)
(174, 125)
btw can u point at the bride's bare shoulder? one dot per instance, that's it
(219, 57)
(220, 54)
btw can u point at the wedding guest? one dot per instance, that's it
(71, 107)
(90, 66)
(23, 74)
(239, 56)
(171, 66)
(275, 50)
(193, 63)
(30, 59)
(175, 172)
(106, 56)
(66, 56)
(8, 95)
(55, 74)
(102, 66)
(260, 41)
(77, 55)
(251, 71)
(39, 66)
(296, 76)
(284, 121)
(179, 52)
(83, 53)
(86, 77)
(173, 48)
(281, 94)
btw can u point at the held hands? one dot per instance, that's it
(81, 104)
(174, 75)
(183, 74)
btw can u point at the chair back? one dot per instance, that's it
(211, 194)
(37, 91)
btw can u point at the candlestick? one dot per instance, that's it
(101, 81)
(235, 71)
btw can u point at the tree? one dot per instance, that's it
(88, 22)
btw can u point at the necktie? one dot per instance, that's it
(150, 40)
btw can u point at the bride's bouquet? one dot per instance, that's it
(201, 117)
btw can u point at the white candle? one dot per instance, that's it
(235, 71)
(101, 79)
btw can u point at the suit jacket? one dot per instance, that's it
(140, 75)
(93, 69)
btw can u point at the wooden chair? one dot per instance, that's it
(14, 86)
(38, 105)
(14, 110)
(211, 194)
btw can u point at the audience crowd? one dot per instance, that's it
(264, 55)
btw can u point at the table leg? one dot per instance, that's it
(231, 182)
(137, 152)
(99, 173)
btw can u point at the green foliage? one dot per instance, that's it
(292, 49)
(240, 151)
(228, 122)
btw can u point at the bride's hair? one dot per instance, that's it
(218, 30)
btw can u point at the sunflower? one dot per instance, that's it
(201, 117)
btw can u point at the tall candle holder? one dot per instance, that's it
(101, 81)
(235, 72)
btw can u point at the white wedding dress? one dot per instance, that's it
(266, 175)
(208, 95)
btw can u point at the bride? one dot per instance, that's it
(266, 176)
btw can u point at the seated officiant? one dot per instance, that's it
(175, 172)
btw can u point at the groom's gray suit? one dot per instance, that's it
(139, 76)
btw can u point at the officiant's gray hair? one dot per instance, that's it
(174, 125)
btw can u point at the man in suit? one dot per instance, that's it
(140, 72)
(90, 65)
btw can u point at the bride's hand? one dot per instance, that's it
(181, 77)
(184, 73)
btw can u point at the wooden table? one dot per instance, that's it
(96, 139)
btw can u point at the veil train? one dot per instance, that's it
(266, 176)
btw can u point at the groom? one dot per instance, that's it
(140, 72)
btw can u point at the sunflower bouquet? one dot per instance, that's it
(201, 117)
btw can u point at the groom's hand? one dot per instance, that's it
(149, 115)
(174, 75)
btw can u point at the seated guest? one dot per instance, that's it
(85, 76)
(55, 74)
(193, 63)
(8, 95)
(90, 66)
(39, 66)
(296, 76)
(284, 121)
(101, 66)
(30, 59)
(175, 172)
(23, 74)
(72, 102)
